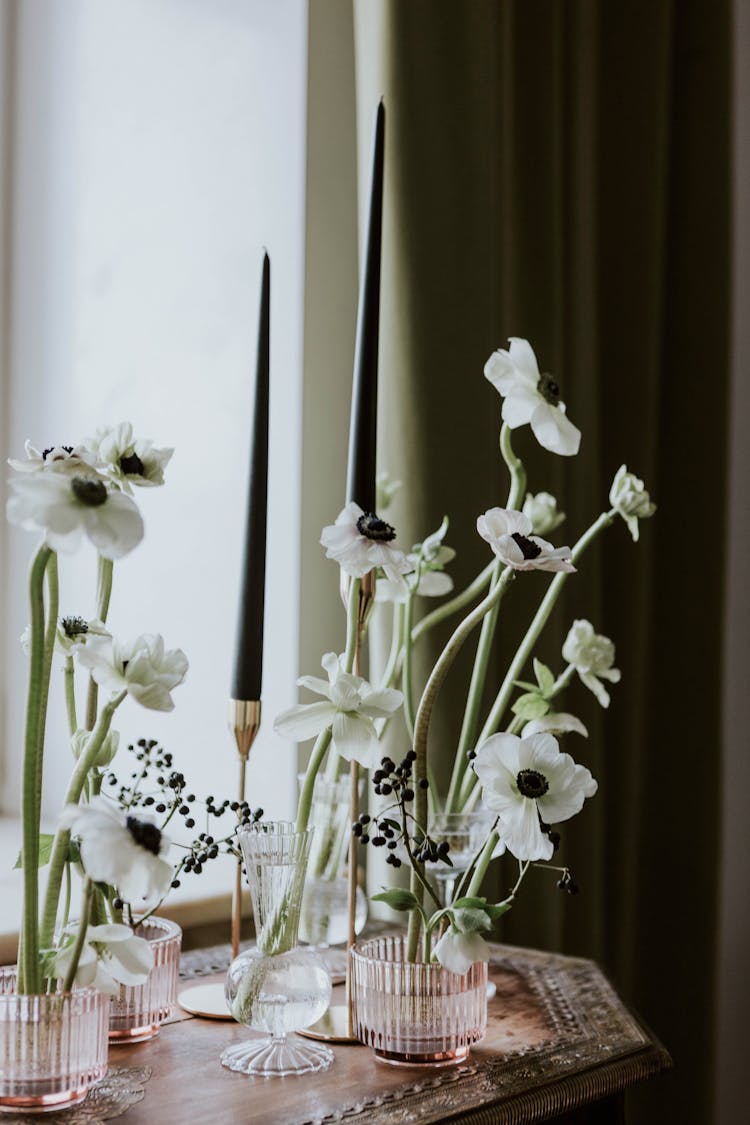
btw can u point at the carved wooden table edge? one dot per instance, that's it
(592, 1047)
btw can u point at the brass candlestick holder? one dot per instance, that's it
(207, 1000)
(336, 1026)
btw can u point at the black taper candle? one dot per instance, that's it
(248, 663)
(360, 483)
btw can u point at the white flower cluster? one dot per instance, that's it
(68, 492)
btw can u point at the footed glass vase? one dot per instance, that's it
(277, 988)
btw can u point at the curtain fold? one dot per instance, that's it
(561, 172)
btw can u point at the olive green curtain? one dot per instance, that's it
(560, 171)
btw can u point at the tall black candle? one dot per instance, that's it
(360, 483)
(248, 663)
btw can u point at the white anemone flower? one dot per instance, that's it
(112, 955)
(56, 459)
(71, 632)
(120, 849)
(360, 541)
(629, 496)
(350, 706)
(67, 506)
(527, 782)
(593, 656)
(127, 460)
(509, 534)
(555, 722)
(543, 512)
(107, 750)
(142, 667)
(458, 951)
(531, 398)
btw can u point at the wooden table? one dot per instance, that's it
(560, 1046)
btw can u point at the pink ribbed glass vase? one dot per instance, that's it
(414, 1012)
(137, 1012)
(52, 1048)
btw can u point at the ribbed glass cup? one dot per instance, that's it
(414, 1012)
(52, 1048)
(138, 1011)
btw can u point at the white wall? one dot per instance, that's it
(158, 145)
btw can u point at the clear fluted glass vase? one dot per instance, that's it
(52, 1047)
(277, 988)
(415, 1012)
(324, 917)
(465, 834)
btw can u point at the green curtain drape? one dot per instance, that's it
(560, 171)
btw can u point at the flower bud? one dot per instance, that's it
(631, 499)
(543, 512)
(107, 750)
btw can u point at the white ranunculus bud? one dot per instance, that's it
(593, 656)
(107, 751)
(631, 499)
(543, 512)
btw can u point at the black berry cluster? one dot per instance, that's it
(397, 781)
(566, 882)
(155, 786)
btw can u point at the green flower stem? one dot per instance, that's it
(424, 715)
(53, 592)
(68, 894)
(320, 749)
(29, 966)
(447, 609)
(83, 925)
(407, 678)
(474, 698)
(62, 836)
(350, 657)
(391, 668)
(529, 641)
(70, 694)
(516, 468)
(103, 595)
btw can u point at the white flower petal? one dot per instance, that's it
(354, 737)
(458, 952)
(554, 430)
(305, 720)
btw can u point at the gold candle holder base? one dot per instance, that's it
(333, 1027)
(205, 1001)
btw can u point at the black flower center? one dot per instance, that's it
(74, 626)
(529, 550)
(531, 783)
(132, 465)
(548, 389)
(372, 527)
(52, 448)
(145, 834)
(90, 492)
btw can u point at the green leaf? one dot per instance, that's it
(397, 899)
(497, 911)
(526, 685)
(471, 903)
(544, 677)
(530, 706)
(46, 841)
(45, 850)
(469, 920)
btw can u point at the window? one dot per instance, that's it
(154, 147)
